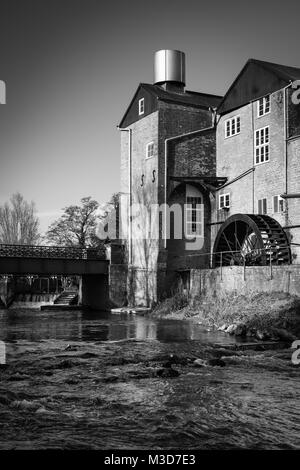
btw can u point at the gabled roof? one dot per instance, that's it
(188, 98)
(256, 79)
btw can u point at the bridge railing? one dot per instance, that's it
(50, 252)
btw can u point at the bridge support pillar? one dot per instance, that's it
(94, 291)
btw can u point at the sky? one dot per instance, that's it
(71, 68)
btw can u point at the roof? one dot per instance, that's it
(284, 71)
(214, 182)
(262, 77)
(186, 97)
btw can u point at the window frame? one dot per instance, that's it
(224, 196)
(280, 199)
(197, 221)
(261, 145)
(261, 200)
(230, 121)
(141, 106)
(264, 113)
(148, 145)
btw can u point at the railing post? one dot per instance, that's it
(244, 266)
(271, 272)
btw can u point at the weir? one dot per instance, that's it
(90, 264)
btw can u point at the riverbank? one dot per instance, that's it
(274, 316)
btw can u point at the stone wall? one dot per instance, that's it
(237, 280)
(118, 284)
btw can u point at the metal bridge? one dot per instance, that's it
(66, 260)
(88, 263)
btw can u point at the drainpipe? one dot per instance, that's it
(254, 157)
(169, 139)
(130, 191)
(285, 135)
(285, 163)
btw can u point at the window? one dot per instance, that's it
(141, 106)
(224, 201)
(232, 126)
(193, 216)
(278, 204)
(262, 206)
(263, 106)
(262, 149)
(150, 150)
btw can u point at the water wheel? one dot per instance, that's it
(251, 239)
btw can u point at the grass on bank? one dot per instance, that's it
(261, 311)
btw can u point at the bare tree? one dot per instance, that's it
(18, 222)
(77, 225)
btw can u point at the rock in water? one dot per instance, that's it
(200, 363)
(223, 327)
(167, 372)
(240, 330)
(231, 329)
(284, 335)
(217, 362)
(260, 335)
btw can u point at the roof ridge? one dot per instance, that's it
(203, 93)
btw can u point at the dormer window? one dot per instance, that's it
(263, 106)
(141, 106)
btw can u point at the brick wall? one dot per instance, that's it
(170, 120)
(235, 155)
(293, 172)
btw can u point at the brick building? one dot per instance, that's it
(228, 162)
(258, 151)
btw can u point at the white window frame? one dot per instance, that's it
(233, 125)
(223, 204)
(141, 106)
(264, 102)
(149, 150)
(262, 149)
(280, 201)
(194, 216)
(262, 205)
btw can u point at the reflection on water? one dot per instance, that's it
(33, 325)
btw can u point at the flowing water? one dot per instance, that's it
(76, 380)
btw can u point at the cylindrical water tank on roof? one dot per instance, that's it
(169, 66)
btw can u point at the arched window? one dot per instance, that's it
(194, 214)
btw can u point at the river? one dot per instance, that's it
(88, 380)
